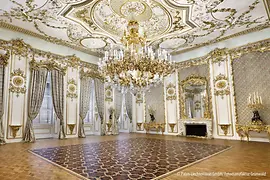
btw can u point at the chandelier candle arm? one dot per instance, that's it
(138, 66)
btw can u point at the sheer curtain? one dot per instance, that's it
(36, 94)
(57, 78)
(2, 78)
(84, 103)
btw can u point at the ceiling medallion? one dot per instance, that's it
(138, 67)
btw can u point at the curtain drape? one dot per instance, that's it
(129, 105)
(99, 91)
(2, 78)
(85, 92)
(57, 78)
(118, 104)
(36, 95)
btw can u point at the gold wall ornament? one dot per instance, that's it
(218, 55)
(225, 128)
(15, 129)
(19, 47)
(139, 98)
(90, 73)
(4, 56)
(71, 128)
(18, 82)
(172, 125)
(50, 65)
(73, 61)
(221, 86)
(72, 89)
(139, 126)
(108, 94)
(171, 92)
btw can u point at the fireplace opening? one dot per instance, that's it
(196, 130)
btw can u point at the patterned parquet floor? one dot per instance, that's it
(135, 158)
(16, 163)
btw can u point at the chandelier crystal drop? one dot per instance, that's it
(137, 67)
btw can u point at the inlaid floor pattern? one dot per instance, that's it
(136, 158)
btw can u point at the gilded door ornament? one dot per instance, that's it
(72, 89)
(221, 86)
(17, 82)
(171, 92)
(108, 94)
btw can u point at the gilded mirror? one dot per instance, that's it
(194, 98)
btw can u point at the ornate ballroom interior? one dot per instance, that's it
(134, 89)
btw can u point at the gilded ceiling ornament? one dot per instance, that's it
(108, 94)
(171, 92)
(17, 82)
(205, 22)
(221, 84)
(72, 89)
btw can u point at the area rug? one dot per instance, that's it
(136, 158)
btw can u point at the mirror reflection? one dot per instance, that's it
(194, 98)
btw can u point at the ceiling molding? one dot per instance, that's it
(267, 7)
(255, 29)
(51, 40)
(259, 46)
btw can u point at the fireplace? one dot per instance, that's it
(195, 127)
(196, 130)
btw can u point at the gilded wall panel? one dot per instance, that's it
(251, 74)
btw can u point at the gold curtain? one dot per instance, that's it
(36, 95)
(57, 78)
(2, 78)
(85, 92)
(99, 91)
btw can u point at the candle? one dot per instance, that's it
(261, 99)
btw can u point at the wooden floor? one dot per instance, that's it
(16, 163)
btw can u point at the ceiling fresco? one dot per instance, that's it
(96, 25)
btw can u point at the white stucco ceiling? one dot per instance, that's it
(178, 25)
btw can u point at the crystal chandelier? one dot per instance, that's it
(137, 67)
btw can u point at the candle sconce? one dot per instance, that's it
(255, 103)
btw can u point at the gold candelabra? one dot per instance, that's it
(255, 103)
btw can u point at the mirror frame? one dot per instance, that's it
(195, 80)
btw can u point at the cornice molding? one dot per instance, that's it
(219, 54)
(255, 29)
(20, 48)
(46, 38)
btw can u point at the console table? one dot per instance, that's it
(156, 126)
(244, 130)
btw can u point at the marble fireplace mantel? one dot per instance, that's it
(183, 122)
